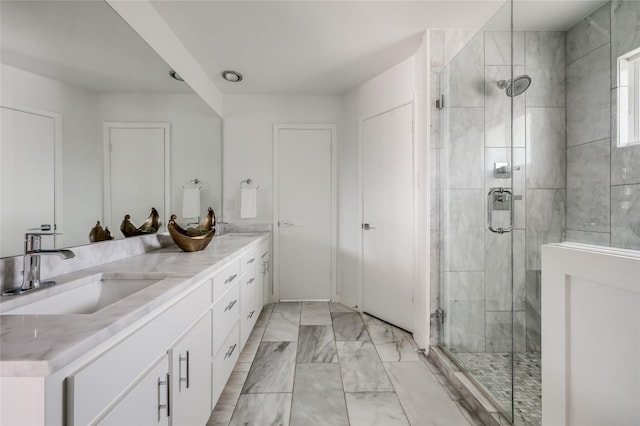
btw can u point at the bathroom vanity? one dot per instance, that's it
(159, 355)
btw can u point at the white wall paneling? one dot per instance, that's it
(590, 335)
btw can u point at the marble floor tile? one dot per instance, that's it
(272, 388)
(288, 307)
(361, 368)
(314, 305)
(318, 398)
(424, 400)
(337, 307)
(226, 404)
(282, 327)
(262, 409)
(315, 313)
(251, 347)
(316, 344)
(265, 314)
(382, 332)
(272, 369)
(399, 351)
(369, 319)
(375, 409)
(349, 326)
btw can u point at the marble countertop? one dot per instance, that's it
(39, 345)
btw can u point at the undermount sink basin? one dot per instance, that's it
(99, 291)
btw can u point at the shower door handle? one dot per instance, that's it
(490, 196)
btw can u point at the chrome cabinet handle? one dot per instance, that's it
(493, 191)
(230, 305)
(166, 406)
(231, 278)
(251, 314)
(251, 261)
(251, 280)
(230, 351)
(183, 379)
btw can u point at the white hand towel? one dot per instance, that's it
(248, 203)
(191, 203)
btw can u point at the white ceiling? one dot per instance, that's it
(84, 43)
(281, 47)
(329, 47)
(309, 47)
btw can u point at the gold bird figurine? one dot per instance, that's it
(99, 234)
(129, 229)
(151, 225)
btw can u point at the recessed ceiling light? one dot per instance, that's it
(232, 76)
(175, 75)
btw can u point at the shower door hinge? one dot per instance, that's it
(440, 102)
(440, 315)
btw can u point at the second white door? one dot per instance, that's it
(136, 173)
(387, 175)
(304, 213)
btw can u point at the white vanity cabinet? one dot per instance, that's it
(113, 381)
(166, 367)
(249, 304)
(148, 401)
(263, 285)
(190, 377)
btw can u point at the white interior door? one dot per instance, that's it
(304, 213)
(137, 173)
(28, 176)
(388, 243)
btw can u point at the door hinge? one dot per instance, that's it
(440, 102)
(440, 315)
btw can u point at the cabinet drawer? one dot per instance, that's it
(248, 311)
(226, 313)
(224, 279)
(92, 388)
(224, 362)
(249, 261)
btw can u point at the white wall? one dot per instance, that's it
(422, 299)
(390, 89)
(195, 140)
(248, 143)
(82, 144)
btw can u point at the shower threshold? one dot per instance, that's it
(484, 380)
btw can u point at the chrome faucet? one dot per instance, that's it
(32, 253)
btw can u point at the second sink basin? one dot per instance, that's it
(99, 291)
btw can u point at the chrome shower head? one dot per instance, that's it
(517, 86)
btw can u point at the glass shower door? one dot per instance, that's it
(482, 212)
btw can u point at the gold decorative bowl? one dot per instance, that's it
(187, 242)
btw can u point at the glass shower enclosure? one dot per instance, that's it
(490, 283)
(527, 152)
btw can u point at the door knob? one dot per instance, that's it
(367, 227)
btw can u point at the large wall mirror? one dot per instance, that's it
(94, 127)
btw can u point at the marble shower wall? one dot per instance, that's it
(472, 132)
(603, 180)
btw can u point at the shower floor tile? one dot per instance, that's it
(493, 372)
